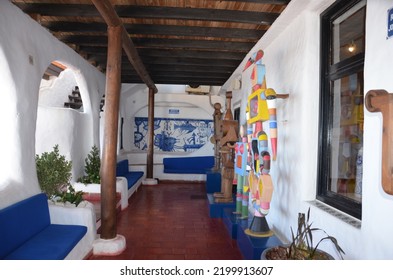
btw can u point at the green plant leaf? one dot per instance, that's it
(53, 171)
(92, 167)
(301, 246)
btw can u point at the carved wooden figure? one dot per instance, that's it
(227, 144)
(382, 101)
(217, 115)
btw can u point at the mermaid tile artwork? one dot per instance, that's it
(174, 134)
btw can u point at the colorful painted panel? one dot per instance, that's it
(174, 134)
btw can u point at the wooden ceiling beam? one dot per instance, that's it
(152, 12)
(207, 70)
(202, 54)
(272, 2)
(196, 69)
(179, 74)
(111, 18)
(152, 43)
(152, 29)
(176, 61)
(184, 81)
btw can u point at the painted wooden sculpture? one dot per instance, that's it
(261, 107)
(382, 101)
(217, 115)
(227, 145)
(241, 155)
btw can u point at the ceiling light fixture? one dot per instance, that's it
(352, 47)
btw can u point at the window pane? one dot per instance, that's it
(346, 158)
(348, 33)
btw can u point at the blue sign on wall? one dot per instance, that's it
(390, 23)
(174, 111)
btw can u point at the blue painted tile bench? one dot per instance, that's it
(188, 165)
(28, 232)
(134, 178)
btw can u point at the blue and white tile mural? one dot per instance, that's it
(174, 135)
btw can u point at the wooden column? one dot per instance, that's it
(109, 158)
(150, 147)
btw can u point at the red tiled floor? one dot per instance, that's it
(171, 221)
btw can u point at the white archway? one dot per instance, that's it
(58, 123)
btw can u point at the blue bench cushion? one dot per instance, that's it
(188, 165)
(22, 220)
(122, 168)
(26, 232)
(55, 242)
(133, 177)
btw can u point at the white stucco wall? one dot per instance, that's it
(26, 50)
(292, 64)
(54, 93)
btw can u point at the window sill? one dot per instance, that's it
(336, 213)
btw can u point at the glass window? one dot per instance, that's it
(348, 33)
(341, 106)
(347, 137)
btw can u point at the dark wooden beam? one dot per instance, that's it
(152, 29)
(184, 74)
(178, 61)
(205, 69)
(131, 11)
(151, 43)
(196, 69)
(111, 18)
(150, 133)
(272, 2)
(112, 99)
(181, 81)
(202, 54)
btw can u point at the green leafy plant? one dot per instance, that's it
(302, 245)
(70, 195)
(92, 167)
(53, 171)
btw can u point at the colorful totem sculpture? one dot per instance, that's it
(227, 145)
(241, 154)
(261, 107)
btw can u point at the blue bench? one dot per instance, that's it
(26, 232)
(132, 176)
(188, 165)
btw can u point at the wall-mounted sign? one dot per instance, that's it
(174, 111)
(390, 23)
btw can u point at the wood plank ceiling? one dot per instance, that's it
(190, 42)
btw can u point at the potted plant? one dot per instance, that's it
(302, 245)
(69, 196)
(54, 175)
(92, 167)
(91, 181)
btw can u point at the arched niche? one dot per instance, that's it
(61, 114)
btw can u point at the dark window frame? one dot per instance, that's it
(329, 73)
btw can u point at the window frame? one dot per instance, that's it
(330, 73)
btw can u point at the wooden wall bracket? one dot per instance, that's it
(381, 101)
